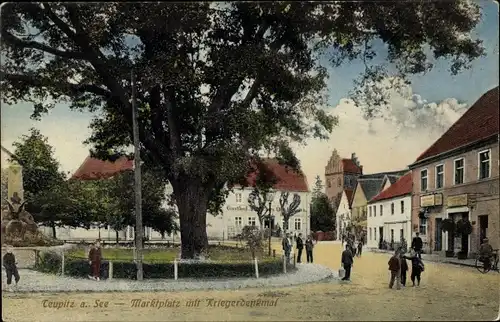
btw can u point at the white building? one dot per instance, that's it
(236, 210)
(343, 215)
(389, 214)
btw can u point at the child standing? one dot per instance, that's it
(309, 249)
(95, 256)
(10, 264)
(395, 269)
(404, 269)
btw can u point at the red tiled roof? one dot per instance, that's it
(92, 169)
(479, 122)
(349, 166)
(400, 188)
(349, 194)
(287, 179)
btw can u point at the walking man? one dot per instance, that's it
(360, 247)
(95, 256)
(417, 245)
(287, 246)
(395, 268)
(10, 264)
(347, 261)
(300, 247)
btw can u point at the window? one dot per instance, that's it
(238, 221)
(439, 176)
(423, 180)
(381, 210)
(402, 206)
(298, 224)
(370, 211)
(339, 182)
(423, 226)
(401, 234)
(370, 234)
(328, 183)
(374, 211)
(459, 171)
(484, 164)
(374, 234)
(392, 208)
(238, 197)
(392, 234)
(251, 221)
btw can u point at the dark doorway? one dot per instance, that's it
(266, 223)
(483, 228)
(381, 233)
(439, 235)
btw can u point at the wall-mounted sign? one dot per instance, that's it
(457, 200)
(431, 200)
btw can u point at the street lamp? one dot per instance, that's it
(270, 197)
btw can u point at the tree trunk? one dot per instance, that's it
(54, 234)
(117, 237)
(191, 197)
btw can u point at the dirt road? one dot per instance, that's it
(446, 293)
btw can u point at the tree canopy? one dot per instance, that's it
(216, 82)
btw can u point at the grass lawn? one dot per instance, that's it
(218, 254)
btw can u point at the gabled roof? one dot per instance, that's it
(478, 123)
(371, 187)
(350, 166)
(93, 169)
(400, 188)
(287, 179)
(349, 194)
(393, 179)
(381, 175)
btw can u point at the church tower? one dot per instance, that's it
(341, 174)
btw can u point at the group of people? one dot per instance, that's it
(399, 267)
(287, 243)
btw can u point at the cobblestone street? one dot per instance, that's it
(447, 292)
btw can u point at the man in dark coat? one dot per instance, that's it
(417, 245)
(347, 261)
(300, 247)
(10, 264)
(95, 256)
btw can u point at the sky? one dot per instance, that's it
(389, 143)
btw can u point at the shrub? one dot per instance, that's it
(253, 236)
(51, 263)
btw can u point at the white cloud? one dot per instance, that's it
(408, 125)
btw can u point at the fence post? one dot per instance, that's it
(176, 270)
(62, 263)
(110, 270)
(256, 268)
(284, 264)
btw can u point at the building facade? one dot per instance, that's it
(369, 186)
(236, 211)
(389, 214)
(341, 174)
(458, 178)
(343, 215)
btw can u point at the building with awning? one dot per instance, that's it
(457, 178)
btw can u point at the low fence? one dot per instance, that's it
(160, 263)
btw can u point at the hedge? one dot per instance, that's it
(51, 263)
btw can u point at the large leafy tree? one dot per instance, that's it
(115, 202)
(322, 213)
(216, 83)
(44, 184)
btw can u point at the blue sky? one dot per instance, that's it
(67, 129)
